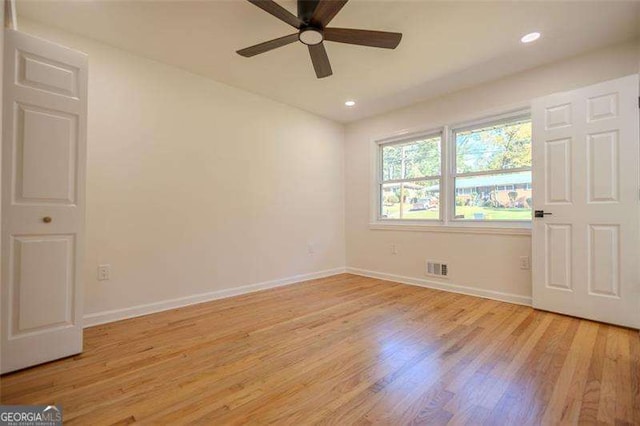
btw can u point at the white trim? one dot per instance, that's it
(516, 229)
(507, 117)
(494, 119)
(445, 181)
(453, 288)
(408, 132)
(379, 170)
(411, 180)
(104, 317)
(410, 136)
(493, 172)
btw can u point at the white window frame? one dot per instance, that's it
(447, 222)
(406, 139)
(453, 175)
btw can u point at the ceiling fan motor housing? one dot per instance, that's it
(310, 36)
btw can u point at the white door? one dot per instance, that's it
(586, 251)
(43, 173)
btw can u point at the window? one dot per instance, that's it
(493, 163)
(410, 179)
(485, 169)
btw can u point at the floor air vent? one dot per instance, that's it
(437, 269)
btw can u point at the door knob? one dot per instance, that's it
(47, 219)
(540, 213)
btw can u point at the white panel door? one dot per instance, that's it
(43, 173)
(586, 247)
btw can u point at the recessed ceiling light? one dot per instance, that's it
(528, 38)
(350, 103)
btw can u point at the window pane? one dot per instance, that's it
(422, 200)
(498, 147)
(417, 200)
(411, 160)
(489, 197)
(390, 201)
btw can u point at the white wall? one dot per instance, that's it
(194, 186)
(481, 262)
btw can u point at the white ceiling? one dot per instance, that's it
(446, 45)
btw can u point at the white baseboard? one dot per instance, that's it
(98, 318)
(104, 317)
(454, 288)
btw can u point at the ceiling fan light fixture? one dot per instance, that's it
(311, 36)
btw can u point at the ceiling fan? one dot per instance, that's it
(311, 23)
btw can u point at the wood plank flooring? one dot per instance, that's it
(344, 350)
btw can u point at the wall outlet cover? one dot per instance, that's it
(104, 272)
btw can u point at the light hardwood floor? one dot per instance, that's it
(344, 350)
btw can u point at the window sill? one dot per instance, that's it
(505, 229)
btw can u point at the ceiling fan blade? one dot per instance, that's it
(320, 60)
(363, 37)
(278, 11)
(326, 10)
(267, 46)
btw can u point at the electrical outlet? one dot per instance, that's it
(311, 249)
(394, 249)
(524, 262)
(104, 272)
